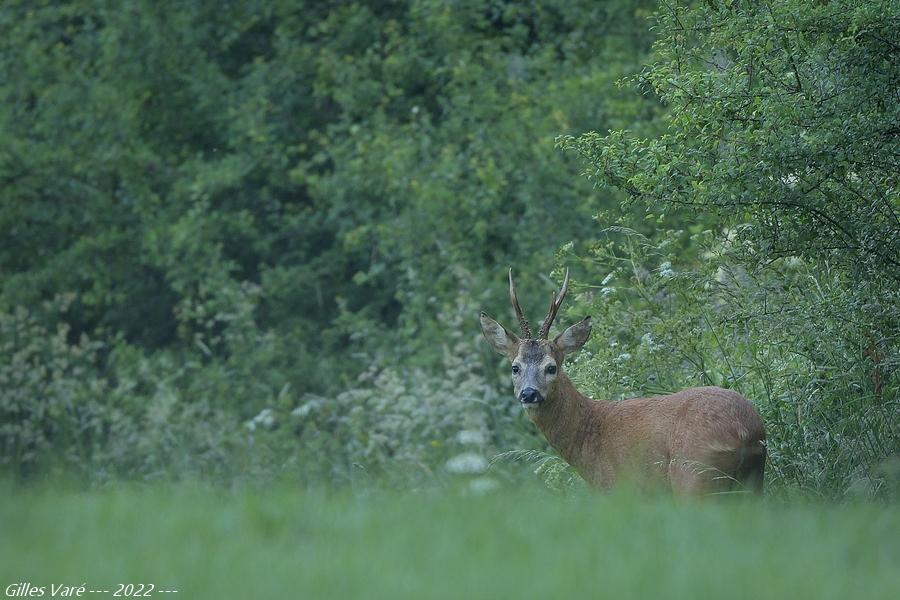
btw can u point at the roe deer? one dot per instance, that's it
(697, 441)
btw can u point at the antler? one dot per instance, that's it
(555, 302)
(523, 322)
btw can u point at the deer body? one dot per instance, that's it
(696, 441)
(699, 440)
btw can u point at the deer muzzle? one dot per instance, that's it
(530, 396)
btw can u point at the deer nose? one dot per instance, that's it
(530, 396)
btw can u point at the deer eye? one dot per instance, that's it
(515, 369)
(551, 369)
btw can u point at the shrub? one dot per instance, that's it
(812, 352)
(401, 425)
(50, 394)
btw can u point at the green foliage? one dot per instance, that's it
(405, 426)
(791, 338)
(252, 205)
(159, 418)
(60, 414)
(268, 228)
(49, 394)
(783, 118)
(555, 473)
(782, 281)
(156, 160)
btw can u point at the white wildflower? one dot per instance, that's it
(467, 462)
(265, 419)
(475, 438)
(607, 291)
(647, 342)
(790, 180)
(305, 409)
(665, 270)
(607, 279)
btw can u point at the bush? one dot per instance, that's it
(781, 138)
(400, 425)
(51, 416)
(812, 352)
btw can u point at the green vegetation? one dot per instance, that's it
(230, 212)
(782, 127)
(244, 246)
(518, 543)
(249, 242)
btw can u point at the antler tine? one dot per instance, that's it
(555, 302)
(523, 322)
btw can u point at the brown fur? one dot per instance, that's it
(697, 441)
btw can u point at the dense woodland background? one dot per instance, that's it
(251, 240)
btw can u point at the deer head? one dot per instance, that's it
(536, 363)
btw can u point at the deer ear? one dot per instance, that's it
(500, 339)
(574, 337)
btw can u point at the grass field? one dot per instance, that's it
(513, 543)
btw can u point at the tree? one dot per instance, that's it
(784, 120)
(783, 131)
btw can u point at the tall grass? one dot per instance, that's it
(517, 542)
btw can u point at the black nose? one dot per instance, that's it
(530, 396)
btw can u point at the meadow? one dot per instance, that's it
(513, 542)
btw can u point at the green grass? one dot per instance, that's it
(514, 543)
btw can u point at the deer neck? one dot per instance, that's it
(567, 418)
